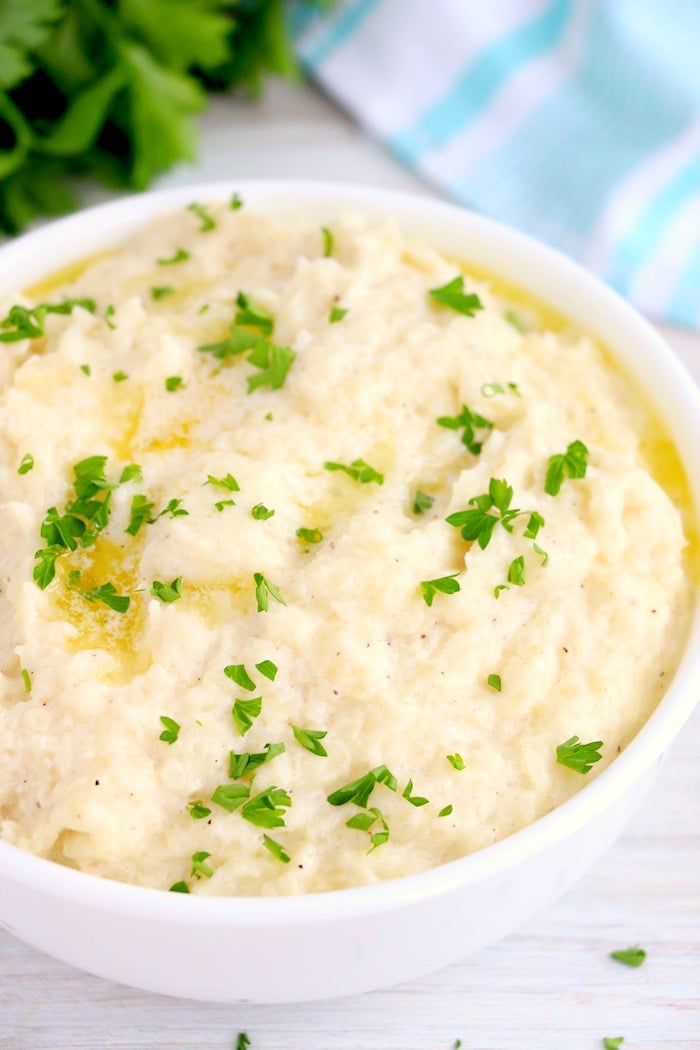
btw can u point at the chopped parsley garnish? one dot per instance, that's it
(274, 362)
(24, 323)
(238, 674)
(266, 810)
(571, 464)
(167, 592)
(236, 202)
(613, 1043)
(85, 369)
(415, 800)
(577, 756)
(231, 796)
(244, 711)
(492, 389)
(490, 509)
(221, 503)
(311, 739)
(252, 315)
(469, 422)
(205, 219)
(328, 242)
(119, 377)
(260, 512)
(264, 590)
(242, 765)
(366, 821)
(456, 761)
(446, 810)
(267, 668)
(131, 472)
(141, 513)
(179, 256)
(453, 295)
(358, 470)
(443, 585)
(243, 1042)
(421, 502)
(494, 680)
(179, 887)
(337, 314)
(26, 464)
(629, 956)
(27, 680)
(310, 535)
(359, 791)
(201, 870)
(276, 849)
(161, 291)
(109, 314)
(173, 383)
(197, 810)
(229, 482)
(174, 509)
(516, 571)
(513, 319)
(106, 593)
(171, 731)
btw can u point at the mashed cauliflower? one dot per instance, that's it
(242, 651)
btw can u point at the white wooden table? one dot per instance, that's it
(550, 986)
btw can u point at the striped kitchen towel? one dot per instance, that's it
(577, 121)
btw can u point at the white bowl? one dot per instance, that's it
(319, 946)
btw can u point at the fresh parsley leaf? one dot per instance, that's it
(238, 674)
(577, 756)
(243, 1042)
(260, 512)
(453, 295)
(469, 422)
(446, 810)
(205, 219)
(105, 593)
(174, 509)
(328, 242)
(179, 887)
(180, 255)
(167, 592)
(131, 472)
(235, 203)
(242, 765)
(171, 731)
(197, 810)
(490, 509)
(252, 315)
(358, 470)
(513, 319)
(310, 535)
(119, 377)
(231, 796)
(229, 482)
(266, 810)
(244, 711)
(613, 1043)
(311, 739)
(267, 668)
(24, 323)
(629, 956)
(173, 383)
(494, 681)
(516, 571)
(27, 680)
(201, 870)
(276, 849)
(274, 363)
(421, 502)
(85, 369)
(26, 464)
(415, 800)
(161, 291)
(366, 821)
(456, 761)
(264, 590)
(337, 314)
(141, 513)
(572, 464)
(359, 791)
(492, 389)
(443, 585)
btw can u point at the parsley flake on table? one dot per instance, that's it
(469, 423)
(629, 956)
(180, 255)
(171, 731)
(243, 1041)
(167, 592)
(613, 1043)
(309, 535)
(422, 502)
(264, 590)
(456, 761)
(261, 513)
(201, 870)
(337, 314)
(276, 849)
(358, 470)
(205, 220)
(197, 810)
(577, 756)
(415, 800)
(443, 585)
(266, 809)
(173, 383)
(244, 711)
(242, 765)
(26, 464)
(231, 796)
(311, 739)
(359, 791)
(571, 464)
(453, 295)
(494, 681)
(27, 680)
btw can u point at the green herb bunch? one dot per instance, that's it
(110, 88)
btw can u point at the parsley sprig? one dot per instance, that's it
(491, 509)
(453, 296)
(443, 585)
(358, 470)
(23, 322)
(578, 756)
(570, 464)
(469, 422)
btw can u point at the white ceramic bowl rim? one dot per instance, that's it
(85, 232)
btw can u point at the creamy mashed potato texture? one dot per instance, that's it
(322, 563)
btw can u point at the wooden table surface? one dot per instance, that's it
(551, 986)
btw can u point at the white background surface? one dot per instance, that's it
(550, 986)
